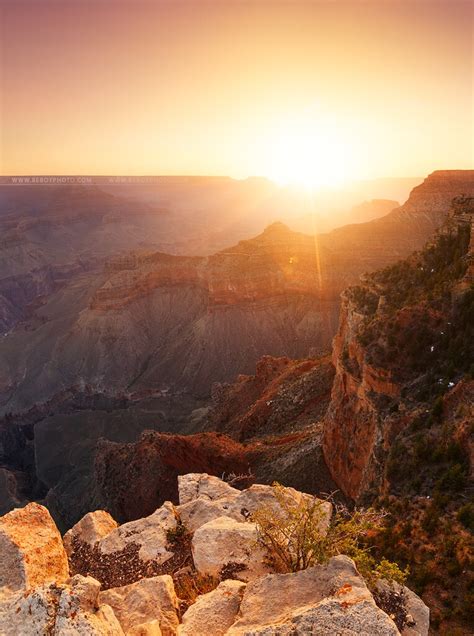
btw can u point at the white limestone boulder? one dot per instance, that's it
(196, 485)
(227, 548)
(143, 602)
(240, 505)
(214, 612)
(330, 618)
(128, 552)
(67, 610)
(149, 533)
(274, 602)
(93, 527)
(31, 549)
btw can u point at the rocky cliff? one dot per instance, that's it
(398, 430)
(398, 330)
(198, 568)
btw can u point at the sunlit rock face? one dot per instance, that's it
(149, 320)
(435, 194)
(351, 429)
(404, 340)
(159, 575)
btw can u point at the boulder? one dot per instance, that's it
(129, 552)
(150, 533)
(80, 612)
(67, 610)
(395, 599)
(240, 505)
(227, 548)
(31, 549)
(141, 603)
(197, 512)
(329, 618)
(214, 612)
(93, 527)
(195, 485)
(276, 599)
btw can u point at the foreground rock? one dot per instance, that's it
(214, 612)
(203, 486)
(328, 618)
(148, 602)
(93, 527)
(136, 566)
(58, 610)
(327, 599)
(228, 549)
(211, 501)
(126, 554)
(31, 549)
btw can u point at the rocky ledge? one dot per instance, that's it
(196, 569)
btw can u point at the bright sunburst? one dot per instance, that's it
(309, 154)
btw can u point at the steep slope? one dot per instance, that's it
(283, 397)
(404, 338)
(398, 431)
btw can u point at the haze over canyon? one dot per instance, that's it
(138, 346)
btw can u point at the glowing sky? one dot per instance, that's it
(149, 87)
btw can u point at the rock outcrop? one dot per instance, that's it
(31, 550)
(134, 479)
(148, 601)
(396, 330)
(59, 609)
(323, 599)
(215, 612)
(128, 552)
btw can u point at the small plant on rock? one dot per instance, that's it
(299, 534)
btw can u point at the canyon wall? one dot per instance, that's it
(404, 338)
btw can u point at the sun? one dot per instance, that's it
(308, 154)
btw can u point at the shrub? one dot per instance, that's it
(299, 535)
(466, 516)
(453, 480)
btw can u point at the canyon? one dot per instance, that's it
(150, 321)
(153, 364)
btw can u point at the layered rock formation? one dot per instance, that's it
(395, 332)
(398, 431)
(240, 598)
(152, 321)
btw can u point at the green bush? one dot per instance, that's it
(299, 535)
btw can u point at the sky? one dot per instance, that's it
(279, 89)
